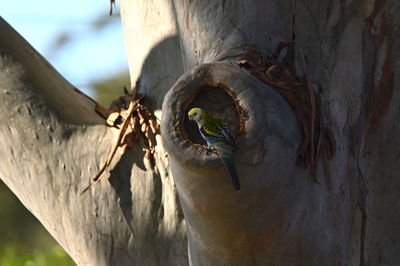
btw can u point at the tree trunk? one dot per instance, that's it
(279, 217)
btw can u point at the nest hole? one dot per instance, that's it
(217, 101)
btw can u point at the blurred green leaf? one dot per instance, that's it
(65, 37)
(23, 239)
(61, 40)
(56, 256)
(104, 20)
(109, 89)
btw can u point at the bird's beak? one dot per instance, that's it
(190, 117)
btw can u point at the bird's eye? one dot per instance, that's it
(194, 113)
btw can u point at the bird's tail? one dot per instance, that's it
(229, 164)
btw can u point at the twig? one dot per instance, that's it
(121, 132)
(312, 126)
(98, 107)
(294, 21)
(112, 2)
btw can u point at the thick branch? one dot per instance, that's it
(53, 142)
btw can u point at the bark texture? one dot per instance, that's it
(353, 60)
(52, 141)
(52, 145)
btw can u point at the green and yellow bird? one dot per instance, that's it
(216, 133)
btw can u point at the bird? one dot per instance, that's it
(216, 133)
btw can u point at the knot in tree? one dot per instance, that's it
(224, 226)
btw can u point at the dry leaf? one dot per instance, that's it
(137, 123)
(299, 95)
(112, 118)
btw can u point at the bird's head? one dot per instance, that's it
(197, 115)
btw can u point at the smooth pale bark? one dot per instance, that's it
(53, 142)
(340, 222)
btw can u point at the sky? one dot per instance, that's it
(91, 55)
